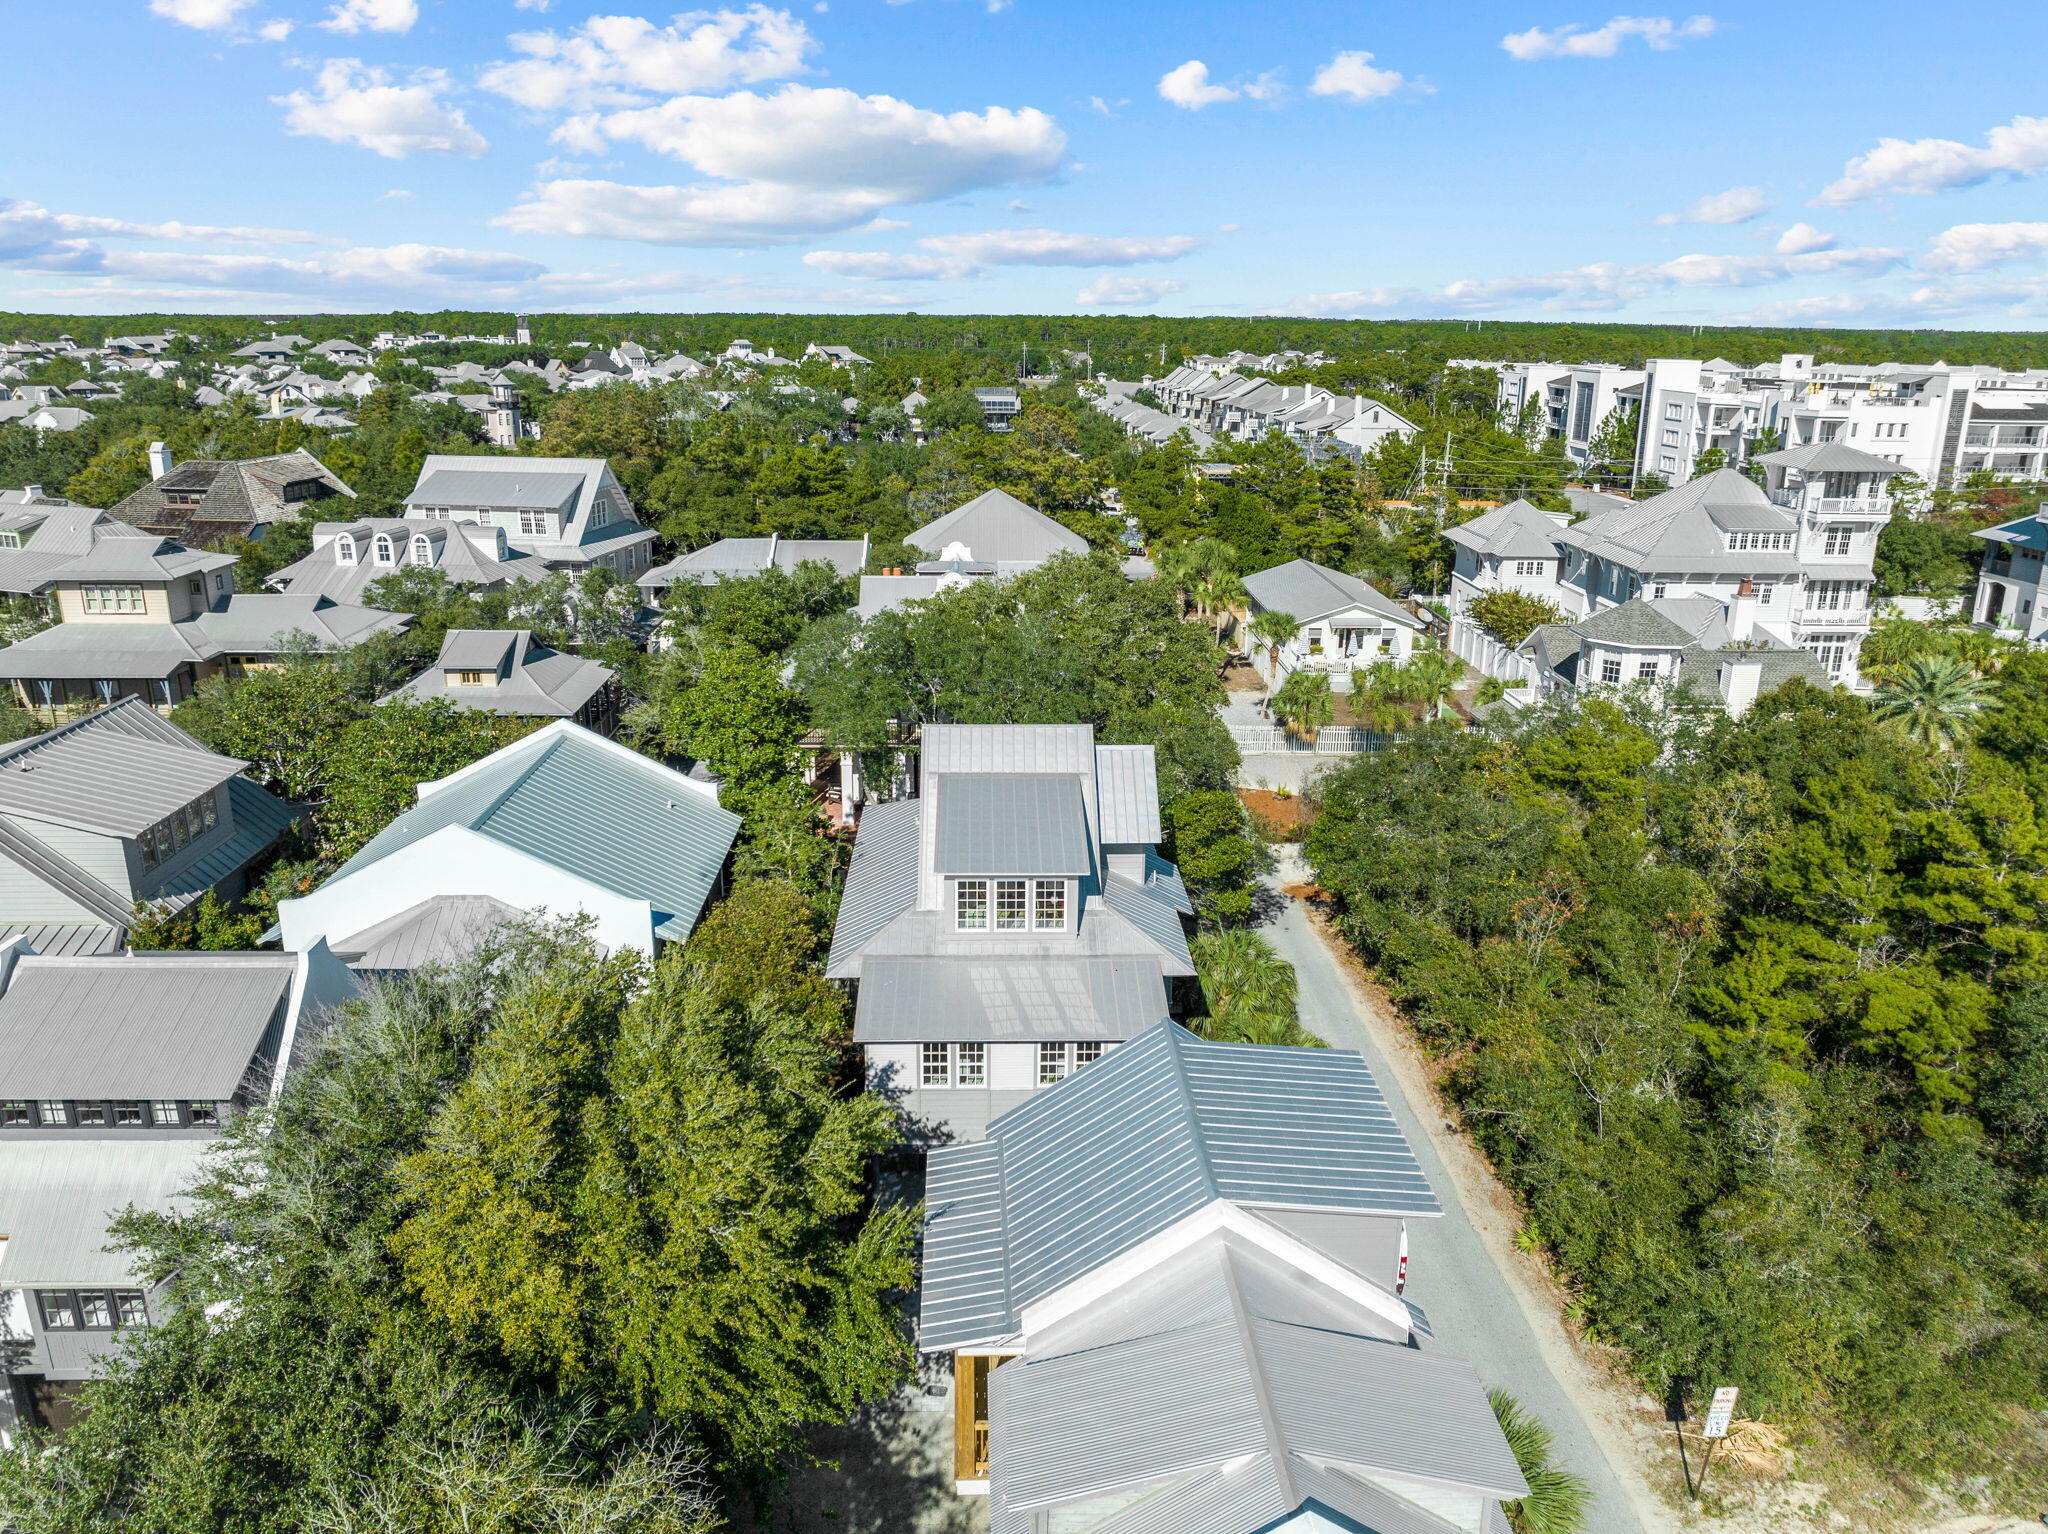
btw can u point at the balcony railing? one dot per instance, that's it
(1831, 505)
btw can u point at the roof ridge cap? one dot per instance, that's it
(1241, 1320)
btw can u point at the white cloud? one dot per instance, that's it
(1127, 290)
(396, 194)
(1601, 285)
(1737, 205)
(801, 161)
(1920, 167)
(1803, 239)
(531, 5)
(1353, 75)
(274, 31)
(356, 104)
(373, 16)
(1105, 107)
(953, 256)
(620, 60)
(206, 15)
(1189, 86)
(1575, 42)
(25, 227)
(738, 216)
(1978, 247)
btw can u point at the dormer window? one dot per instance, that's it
(10, 540)
(471, 678)
(422, 550)
(345, 551)
(178, 830)
(1010, 905)
(536, 524)
(111, 599)
(383, 550)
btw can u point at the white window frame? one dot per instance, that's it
(1041, 889)
(970, 1065)
(123, 597)
(935, 1065)
(1055, 1063)
(974, 915)
(1837, 540)
(1610, 670)
(534, 524)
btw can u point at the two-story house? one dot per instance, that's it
(991, 536)
(2008, 597)
(140, 615)
(1344, 623)
(117, 1074)
(731, 559)
(568, 513)
(1173, 1289)
(204, 501)
(1510, 548)
(117, 809)
(509, 672)
(562, 822)
(1787, 562)
(1011, 923)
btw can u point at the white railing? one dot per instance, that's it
(1487, 655)
(1331, 740)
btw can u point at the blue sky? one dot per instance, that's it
(1874, 164)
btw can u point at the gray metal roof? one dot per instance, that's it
(998, 527)
(535, 682)
(68, 938)
(1034, 999)
(1009, 748)
(881, 879)
(137, 1025)
(263, 622)
(90, 651)
(600, 812)
(1284, 1370)
(1517, 530)
(118, 770)
(259, 817)
(1127, 788)
(1308, 591)
(1829, 457)
(1151, 909)
(477, 649)
(509, 486)
(58, 1195)
(1011, 823)
(439, 930)
(1134, 1143)
(1683, 529)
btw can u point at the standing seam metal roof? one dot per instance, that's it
(1127, 788)
(1142, 1138)
(993, 999)
(881, 878)
(1012, 823)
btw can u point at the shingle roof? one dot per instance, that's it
(1153, 1131)
(57, 1197)
(239, 495)
(1012, 823)
(137, 1025)
(1635, 622)
(904, 999)
(600, 812)
(1308, 591)
(996, 526)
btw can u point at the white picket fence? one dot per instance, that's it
(1487, 655)
(1332, 740)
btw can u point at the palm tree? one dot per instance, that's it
(1557, 1499)
(1248, 990)
(1432, 676)
(1303, 704)
(1219, 593)
(1178, 565)
(1935, 700)
(1273, 629)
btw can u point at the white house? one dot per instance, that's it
(2008, 595)
(1344, 622)
(1173, 1290)
(1511, 548)
(569, 513)
(563, 822)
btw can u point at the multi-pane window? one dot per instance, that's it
(111, 599)
(970, 1065)
(1839, 536)
(952, 1065)
(970, 905)
(1054, 1061)
(16, 1114)
(51, 1112)
(1765, 592)
(472, 678)
(1834, 596)
(127, 1113)
(935, 1068)
(1646, 671)
(175, 831)
(1610, 669)
(91, 1310)
(1087, 1051)
(1049, 905)
(1010, 905)
(163, 1112)
(1532, 567)
(203, 1113)
(1744, 542)
(92, 1115)
(1833, 650)
(536, 523)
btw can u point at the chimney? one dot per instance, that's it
(1741, 680)
(159, 460)
(30, 494)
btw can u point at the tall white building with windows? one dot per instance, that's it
(1785, 563)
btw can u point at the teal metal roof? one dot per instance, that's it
(624, 823)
